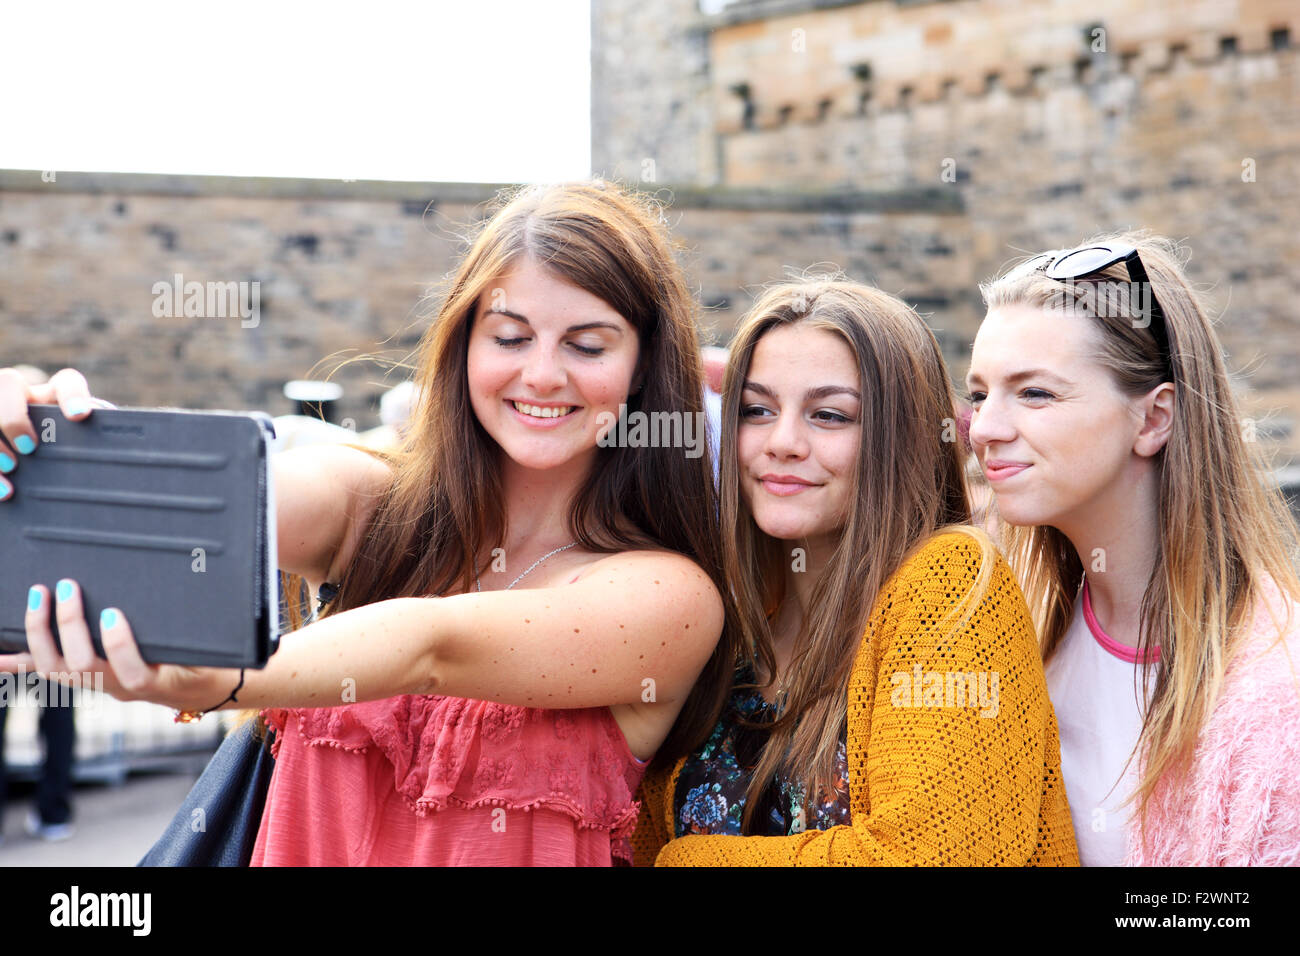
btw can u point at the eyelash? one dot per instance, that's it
(1034, 394)
(831, 418)
(582, 349)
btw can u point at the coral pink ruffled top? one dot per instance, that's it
(439, 781)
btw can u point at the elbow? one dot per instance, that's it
(435, 642)
(426, 679)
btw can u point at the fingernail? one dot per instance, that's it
(34, 599)
(107, 618)
(6, 490)
(6, 463)
(25, 444)
(64, 590)
(78, 408)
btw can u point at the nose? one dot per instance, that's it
(786, 439)
(544, 370)
(990, 424)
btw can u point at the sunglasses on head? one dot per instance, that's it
(1070, 265)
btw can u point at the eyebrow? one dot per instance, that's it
(822, 391)
(1020, 376)
(581, 327)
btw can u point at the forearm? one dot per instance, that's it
(733, 851)
(544, 647)
(380, 650)
(906, 834)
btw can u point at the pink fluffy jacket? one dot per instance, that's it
(1240, 804)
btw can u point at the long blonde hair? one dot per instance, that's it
(910, 484)
(1222, 532)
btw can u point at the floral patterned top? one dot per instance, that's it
(710, 794)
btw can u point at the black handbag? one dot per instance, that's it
(218, 822)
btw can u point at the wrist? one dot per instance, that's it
(215, 689)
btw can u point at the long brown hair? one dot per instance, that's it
(444, 507)
(1222, 532)
(910, 483)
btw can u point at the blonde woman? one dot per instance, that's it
(891, 708)
(1159, 567)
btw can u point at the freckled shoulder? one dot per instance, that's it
(664, 583)
(644, 560)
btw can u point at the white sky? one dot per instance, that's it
(438, 90)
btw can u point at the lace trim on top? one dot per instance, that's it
(456, 752)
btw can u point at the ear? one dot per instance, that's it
(1157, 420)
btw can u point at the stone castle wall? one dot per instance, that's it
(341, 269)
(1050, 122)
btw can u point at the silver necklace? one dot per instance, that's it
(531, 567)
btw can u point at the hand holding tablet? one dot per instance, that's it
(162, 516)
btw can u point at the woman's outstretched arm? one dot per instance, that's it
(635, 627)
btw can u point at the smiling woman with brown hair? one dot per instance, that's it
(891, 707)
(509, 719)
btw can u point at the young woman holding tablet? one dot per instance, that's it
(485, 687)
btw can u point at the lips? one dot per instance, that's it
(995, 469)
(785, 485)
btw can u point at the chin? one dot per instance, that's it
(787, 527)
(1024, 513)
(542, 459)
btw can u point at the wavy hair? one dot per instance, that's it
(444, 507)
(910, 483)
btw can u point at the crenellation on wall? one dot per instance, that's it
(779, 100)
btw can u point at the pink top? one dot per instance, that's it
(442, 781)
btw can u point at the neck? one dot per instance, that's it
(802, 569)
(1117, 540)
(537, 504)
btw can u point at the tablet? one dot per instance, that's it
(164, 513)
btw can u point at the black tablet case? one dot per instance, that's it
(120, 501)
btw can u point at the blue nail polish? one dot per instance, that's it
(25, 444)
(33, 599)
(5, 492)
(6, 463)
(78, 408)
(108, 618)
(64, 590)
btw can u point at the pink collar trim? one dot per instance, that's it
(1108, 643)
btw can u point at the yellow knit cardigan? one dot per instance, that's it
(937, 776)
